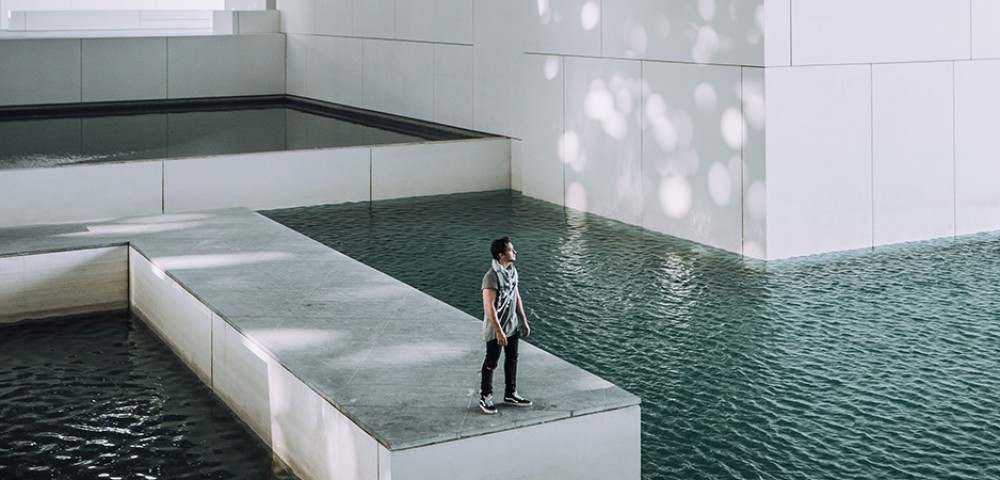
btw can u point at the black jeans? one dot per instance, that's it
(509, 365)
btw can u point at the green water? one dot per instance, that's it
(862, 365)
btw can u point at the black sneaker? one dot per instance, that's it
(515, 399)
(486, 405)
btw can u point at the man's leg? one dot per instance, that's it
(489, 365)
(510, 364)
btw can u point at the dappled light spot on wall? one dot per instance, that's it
(636, 39)
(293, 339)
(706, 45)
(756, 200)
(551, 68)
(544, 11)
(706, 9)
(663, 28)
(590, 15)
(705, 97)
(676, 196)
(576, 196)
(753, 103)
(754, 35)
(608, 107)
(733, 128)
(569, 150)
(720, 185)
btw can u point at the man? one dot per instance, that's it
(503, 325)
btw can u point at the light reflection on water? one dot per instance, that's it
(859, 365)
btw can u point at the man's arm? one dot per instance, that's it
(489, 302)
(520, 312)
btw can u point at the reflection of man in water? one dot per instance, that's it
(502, 326)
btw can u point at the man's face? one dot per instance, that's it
(510, 253)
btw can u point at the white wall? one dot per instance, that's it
(38, 71)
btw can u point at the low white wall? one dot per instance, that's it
(41, 71)
(258, 181)
(538, 451)
(6, 6)
(63, 283)
(67, 20)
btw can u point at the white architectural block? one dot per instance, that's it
(602, 145)
(542, 452)
(498, 90)
(695, 132)
(183, 322)
(25, 80)
(79, 193)
(221, 65)
(453, 80)
(720, 31)
(913, 176)
(267, 180)
(543, 152)
(82, 20)
(977, 102)
(777, 33)
(313, 437)
(374, 18)
(222, 22)
(877, 31)
(240, 376)
(297, 16)
(440, 21)
(63, 283)
(256, 22)
(819, 167)
(571, 27)
(985, 34)
(124, 69)
(336, 67)
(399, 77)
(754, 165)
(334, 17)
(297, 63)
(437, 168)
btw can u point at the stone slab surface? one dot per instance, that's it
(401, 364)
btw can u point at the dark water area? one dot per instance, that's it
(102, 397)
(858, 365)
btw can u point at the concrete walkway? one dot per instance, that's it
(403, 366)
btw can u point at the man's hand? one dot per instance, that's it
(526, 329)
(501, 338)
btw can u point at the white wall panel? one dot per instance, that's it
(336, 69)
(240, 376)
(124, 69)
(297, 63)
(374, 18)
(777, 32)
(875, 31)
(183, 322)
(542, 451)
(818, 136)
(498, 90)
(977, 169)
(313, 437)
(297, 16)
(445, 167)
(453, 82)
(63, 283)
(913, 152)
(443, 21)
(25, 80)
(334, 17)
(224, 65)
(266, 180)
(692, 153)
(720, 31)
(603, 140)
(985, 34)
(79, 193)
(571, 27)
(399, 77)
(542, 151)
(754, 165)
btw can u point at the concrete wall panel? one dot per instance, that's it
(225, 65)
(399, 78)
(25, 80)
(106, 61)
(977, 102)
(453, 81)
(567, 27)
(441, 21)
(446, 167)
(543, 151)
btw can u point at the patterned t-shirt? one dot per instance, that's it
(504, 281)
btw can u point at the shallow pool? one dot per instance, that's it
(55, 135)
(103, 397)
(863, 365)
